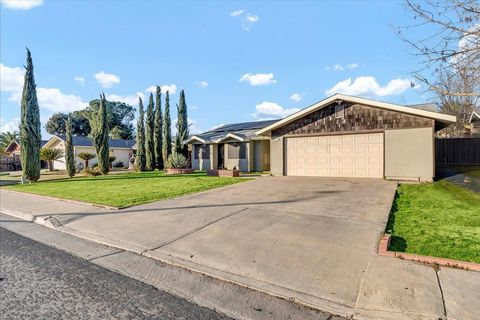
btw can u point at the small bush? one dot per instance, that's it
(118, 164)
(176, 161)
(91, 172)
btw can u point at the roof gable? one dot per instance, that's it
(447, 119)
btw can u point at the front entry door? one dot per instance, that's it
(221, 152)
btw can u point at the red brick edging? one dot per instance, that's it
(385, 243)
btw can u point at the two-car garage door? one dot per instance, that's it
(357, 155)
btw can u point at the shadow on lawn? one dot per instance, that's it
(133, 176)
(397, 243)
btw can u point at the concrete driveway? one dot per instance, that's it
(309, 239)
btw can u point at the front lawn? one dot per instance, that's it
(438, 219)
(126, 189)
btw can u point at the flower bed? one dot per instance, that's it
(223, 173)
(179, 171)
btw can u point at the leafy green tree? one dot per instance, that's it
(149, 136)
(119, 118)
(158, 134)
(56, 124)
(30, 135)
(182, 126)
(99, 124)
(86, 156)
(140, 161)
(167, 130)
(69, 155)
(50, 155)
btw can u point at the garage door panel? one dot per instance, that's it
(359, 155)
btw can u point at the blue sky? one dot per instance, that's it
(236, 61)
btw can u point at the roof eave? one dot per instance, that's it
(444, 118)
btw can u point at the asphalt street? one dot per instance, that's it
(41, 282)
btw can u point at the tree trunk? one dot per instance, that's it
(50, 165)
(86, 164)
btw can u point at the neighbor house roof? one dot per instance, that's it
(475, 116)
(244, 131)
(79, 141)
(16, 142)
(439, 117)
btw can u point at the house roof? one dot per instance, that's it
(444, 119)
(424, 106)
(80, 141)
(475, 116)
(244, 131)
(17, 142)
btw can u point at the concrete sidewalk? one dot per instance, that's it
(308, 240)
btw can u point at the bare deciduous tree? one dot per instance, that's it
(446, 38)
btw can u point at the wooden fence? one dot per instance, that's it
(457, 152)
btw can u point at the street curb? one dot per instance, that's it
(230, 298)
(457, 264)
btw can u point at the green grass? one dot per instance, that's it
(437, 219)
(126, 189)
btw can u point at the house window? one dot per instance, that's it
(339, 111)
(202, 151)
(236, 150)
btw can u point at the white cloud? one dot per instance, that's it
(202, 84)
(80, 80)
(258, 79)
(48, 98)
(11, 79)
(54, 100)
(128, 99)
(107, 80)
(21, 4)
(247, 19)
(9, 126)
(193, 107)
(237, 13)
(296, 97)
(339, 67)
(271, 110)
(172, 88)
(368, 86)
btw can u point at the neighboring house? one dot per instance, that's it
(474, 123)
(121, 149)
(232, 146)
(11, 161)
(340, 136)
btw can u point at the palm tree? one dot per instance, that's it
(86, 156)
(50, 155)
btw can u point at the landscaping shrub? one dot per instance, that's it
(92, 172)
(177, 161)
(118, 164)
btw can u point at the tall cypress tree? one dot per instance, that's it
(182, 125)
(140, 157)
(158, 134)
(100, 136)
(167, 130)
(30, 135)
(69, 155)
(149, 136)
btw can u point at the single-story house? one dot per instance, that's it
(121, 149)
(340, 136)
(474, 123)
(11, 161)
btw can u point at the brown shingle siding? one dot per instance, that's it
(356, 118)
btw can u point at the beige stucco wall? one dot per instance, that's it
(261, 155)
(123, 155)
(409, 154)
(240, 164)
(276, 156)
(202, 164)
